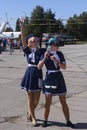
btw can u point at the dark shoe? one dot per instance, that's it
(69, 124)
(29, 119)
(44, 124)
(34, 125)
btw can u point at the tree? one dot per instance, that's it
(37, 21)
(77, 26)
(9, 29)
(52, 24)
(17, 25)
(49, 18)
(41, 22)
(83, 26)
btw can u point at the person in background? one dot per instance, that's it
(4, 41)
(54, 81)
(20, 45)
(11, 46)
(32, 79)
(0, 46)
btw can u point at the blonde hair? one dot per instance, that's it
(30, 42)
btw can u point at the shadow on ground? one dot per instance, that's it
(60, 124)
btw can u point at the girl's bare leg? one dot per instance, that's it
(33, 99)
(65, 107)
(47, 106)
(31, 106)
(66, 111)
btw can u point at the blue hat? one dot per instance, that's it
(53, 41)
(30, 36)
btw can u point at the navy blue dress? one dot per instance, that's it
(54, 82)
(30, 81)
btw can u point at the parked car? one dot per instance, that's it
(67, 39)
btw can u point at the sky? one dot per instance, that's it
(63, 9)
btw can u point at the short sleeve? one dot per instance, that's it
(41, 57)
(26, 50)
(43, 50)
(61, 56)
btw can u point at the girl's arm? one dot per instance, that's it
(62, 66)
(41, 63)
(22, 33)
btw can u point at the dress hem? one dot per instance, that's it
(57, 94)
(31, 90)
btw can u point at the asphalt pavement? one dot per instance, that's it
(13, 100)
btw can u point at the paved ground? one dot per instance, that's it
(13, 100)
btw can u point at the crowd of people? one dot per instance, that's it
(53, 84)
(10, 45)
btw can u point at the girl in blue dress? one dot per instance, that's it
(32, 78)
(54, 81)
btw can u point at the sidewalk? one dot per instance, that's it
(13, 100)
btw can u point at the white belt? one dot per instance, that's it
(31, 65)
(52, 71)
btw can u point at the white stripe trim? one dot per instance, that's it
(57, 94)
(30, 90)
(54, 87)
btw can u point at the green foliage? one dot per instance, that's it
(41, 22)
(37, 21)
(77, 26)
(17, 25)
(9, 29)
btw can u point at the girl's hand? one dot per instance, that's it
(21, 21)
(54, 59)
(47, 54)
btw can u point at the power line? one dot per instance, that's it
(50, 21)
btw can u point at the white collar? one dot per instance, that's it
(52, 52)
(33, 49)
